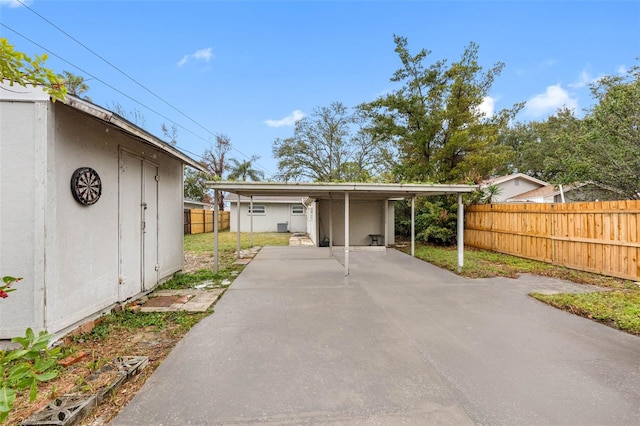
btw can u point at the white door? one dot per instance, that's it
(149, 225)
(138, 213)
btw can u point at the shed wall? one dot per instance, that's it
(23, 179)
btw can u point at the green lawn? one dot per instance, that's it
(618, 308)
(227, 241)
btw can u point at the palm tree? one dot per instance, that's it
(243, 170)
(76, 85)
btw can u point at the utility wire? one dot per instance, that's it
(130, 78)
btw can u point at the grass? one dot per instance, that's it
(227, 241)
(618, 308)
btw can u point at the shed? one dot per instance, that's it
(91, 210)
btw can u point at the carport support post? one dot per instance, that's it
(413, 226)
(460, 233)
(346, 233)
(238, 222)
(251, 222)
(385, 206)
(330, 225)
(215, 231)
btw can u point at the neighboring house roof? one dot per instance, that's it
(536, 194)
(551, 191)
(265, 199)
(205, 206)
(502, 179)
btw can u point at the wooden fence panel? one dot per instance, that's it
(199, 221)
(599, 237)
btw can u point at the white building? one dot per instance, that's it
(91, 210)
(270, 214)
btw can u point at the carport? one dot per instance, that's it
(347, 192)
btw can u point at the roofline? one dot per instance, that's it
(128, 127)
(512, 176)
(290, 188)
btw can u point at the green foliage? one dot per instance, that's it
(329, 146)
(6, 286)
(243, 170)
(619, 309)
(435, 118)
(24, 368)
(75, 84)
(195, 185)
(20, 69)
(435, 219)
(487, 264)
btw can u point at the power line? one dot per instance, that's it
(130, 78)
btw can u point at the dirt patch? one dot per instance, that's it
(148, 341)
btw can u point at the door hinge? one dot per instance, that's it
(157, 268)
(157, 178)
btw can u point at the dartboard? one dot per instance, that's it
(86, 186)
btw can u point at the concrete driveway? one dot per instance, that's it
(399, 341)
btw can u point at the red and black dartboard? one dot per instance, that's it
(86, 186)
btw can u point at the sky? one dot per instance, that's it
(250, 69)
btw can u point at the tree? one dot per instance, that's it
(326, 148)
(75, 84)
(609, 151)
(542, 149)
(170, 133)
(435, 118)
(18, 68)
(215, 160)
(195, 185)
(135, 116)
(243, 170)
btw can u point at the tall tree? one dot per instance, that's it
(216, 161)
(18, 68)
(195, 185)
(435, 119)
(325, 147)
(75, 84)
(170, 133)
(243, 170)
(609, 153)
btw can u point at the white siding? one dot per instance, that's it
(268, 222)
(366, 217)
(42, 144)
(23, 179)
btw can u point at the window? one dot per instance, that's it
(297, 209)
(257, 209)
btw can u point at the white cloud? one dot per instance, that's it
(289, 120)
(583, 80)
(15, 3)
(622, 69)
(548, 102)
(487, 107)
(199, 55)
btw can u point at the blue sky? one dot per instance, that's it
(248, 69)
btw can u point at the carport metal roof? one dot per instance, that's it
(346, 191)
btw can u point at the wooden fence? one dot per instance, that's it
(599, 237)
(197, 221)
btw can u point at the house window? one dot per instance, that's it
(297, 209)
(257, 209)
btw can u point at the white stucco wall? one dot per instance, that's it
(514, 187)
(268, 222)
(367, 217)
(23, 175)
(69, 254)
